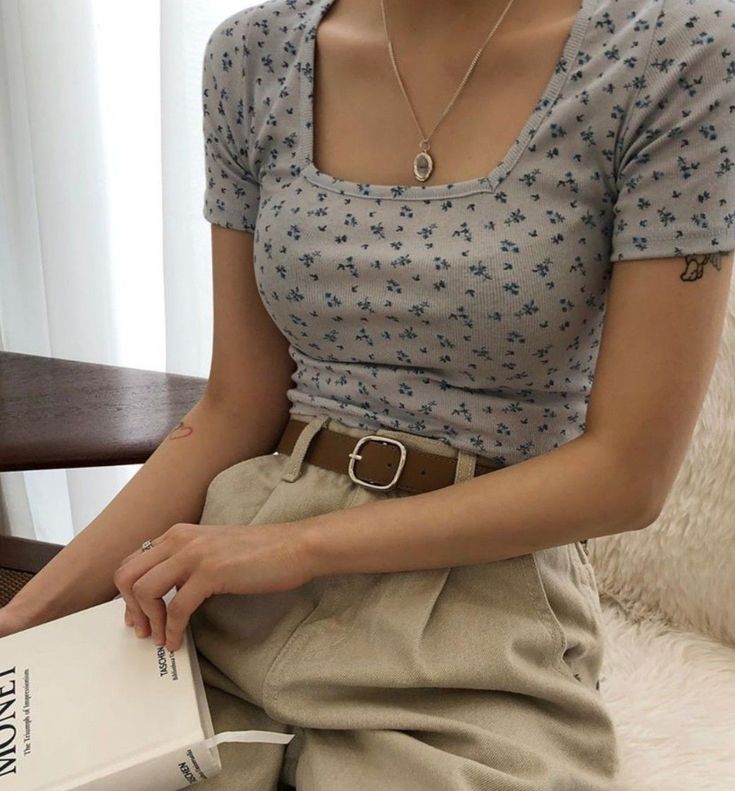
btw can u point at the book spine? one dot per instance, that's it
(171, 771)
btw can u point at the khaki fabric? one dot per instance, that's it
(470, 678)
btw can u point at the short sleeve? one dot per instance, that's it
(232, 190)
(675, 176)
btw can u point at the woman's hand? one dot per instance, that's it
(202, 560)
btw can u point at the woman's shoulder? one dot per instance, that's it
(697, 17)
(695, 23)
(686, 48)
(674, 9)
(259, 37)
(268, 20)
(691, 29)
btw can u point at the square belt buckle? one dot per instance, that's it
(354, 456)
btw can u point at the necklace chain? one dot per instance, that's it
(423, 163)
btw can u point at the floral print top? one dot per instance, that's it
(473, 311)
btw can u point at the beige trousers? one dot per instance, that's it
(470, 678)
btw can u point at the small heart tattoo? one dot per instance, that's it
(181, 431)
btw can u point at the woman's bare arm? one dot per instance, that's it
(661, 336)
(242, 414)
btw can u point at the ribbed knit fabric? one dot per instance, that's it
(472, 312)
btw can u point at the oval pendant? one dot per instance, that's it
(422, 165)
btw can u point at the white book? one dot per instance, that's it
(87, 704)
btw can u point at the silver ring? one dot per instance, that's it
(147, 544)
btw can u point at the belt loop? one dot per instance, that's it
(465, 468)
(293, 466)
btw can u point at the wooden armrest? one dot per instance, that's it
(57, 413)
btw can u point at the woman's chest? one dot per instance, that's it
(489, 274)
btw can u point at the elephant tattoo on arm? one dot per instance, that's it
(694, 265)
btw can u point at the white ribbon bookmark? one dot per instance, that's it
(249, 736)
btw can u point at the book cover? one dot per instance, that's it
(86, 704)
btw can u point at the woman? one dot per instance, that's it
(416, 210)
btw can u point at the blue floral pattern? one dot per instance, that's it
(472, 312)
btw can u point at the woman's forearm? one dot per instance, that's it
(577, 491)
(170, 487)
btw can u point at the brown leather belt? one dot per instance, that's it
(377, 462)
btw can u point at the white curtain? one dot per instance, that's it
(104, 253)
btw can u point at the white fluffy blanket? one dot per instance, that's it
(672, 696)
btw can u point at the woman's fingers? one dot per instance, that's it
(154, 608)
(131, 569)
(134, 615)
(180, 609)
(150, 589)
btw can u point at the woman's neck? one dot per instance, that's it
(436, 20)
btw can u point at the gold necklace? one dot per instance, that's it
(423, 163)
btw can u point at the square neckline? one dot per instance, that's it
(485, 183)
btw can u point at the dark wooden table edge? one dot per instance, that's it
(26, 554)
